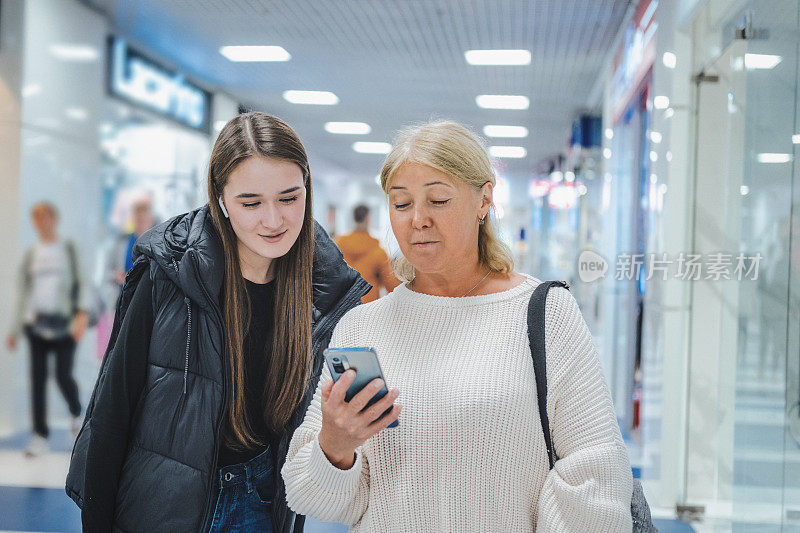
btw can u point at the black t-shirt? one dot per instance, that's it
(125, 377)
(257, 351)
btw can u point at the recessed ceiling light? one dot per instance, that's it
(75, 52)
(796, 138)
(32, 89)
(372, 147)
(311, 97)
(655, 137)
(609, 133)
(761, 61)
(494, 130)
(502, 101)
(661, 102)
(744, 190)
(348, 128)
(498, 57)
(255, 53)
(515, 152)
(669, 59)
(774, 158)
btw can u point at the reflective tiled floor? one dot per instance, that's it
(32, 496)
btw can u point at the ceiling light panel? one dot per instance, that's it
(255, 53)
(75, 52)
(502, 101)
(348, 128)
(495, 130)
(498, 57)
(761, 61)
(311, 97)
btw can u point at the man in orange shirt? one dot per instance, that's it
(364, 253)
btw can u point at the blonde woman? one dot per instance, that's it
(469, 453)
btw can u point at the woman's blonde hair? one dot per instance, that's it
(451, 148)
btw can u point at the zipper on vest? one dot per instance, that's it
(188, 331)
(188, 340)
(207, 512)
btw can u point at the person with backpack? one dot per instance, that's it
(216, 350)
(51, 311)
(470, 453)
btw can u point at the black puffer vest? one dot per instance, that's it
(167, 479)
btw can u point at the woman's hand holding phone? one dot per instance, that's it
(347, 425)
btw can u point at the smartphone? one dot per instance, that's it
(367, 367)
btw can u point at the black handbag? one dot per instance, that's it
(640, 510)
(51, 326)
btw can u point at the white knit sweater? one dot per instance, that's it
(469, 454)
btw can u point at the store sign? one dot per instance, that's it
(142, 81)
(563, 196)
(538, 188)
(635, 56)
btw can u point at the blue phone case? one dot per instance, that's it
(365, 362)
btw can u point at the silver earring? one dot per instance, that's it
(482, 220)
(222, 206)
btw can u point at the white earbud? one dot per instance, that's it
(222, 206)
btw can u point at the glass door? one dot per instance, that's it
(744, 453)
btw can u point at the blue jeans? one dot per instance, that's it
(245, 496)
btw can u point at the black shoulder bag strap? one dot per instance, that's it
(75, 288)
(536, 340)
(640, 510)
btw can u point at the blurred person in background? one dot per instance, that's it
(51, 312)
(141, 220)
(363, 252)
(216, 350)
(118, 261)
(469, 453)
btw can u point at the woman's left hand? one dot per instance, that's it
(79, 325)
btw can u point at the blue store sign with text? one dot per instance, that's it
(141, 81)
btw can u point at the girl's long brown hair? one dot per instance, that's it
(261, 135)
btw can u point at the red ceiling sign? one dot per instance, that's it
(634, 58)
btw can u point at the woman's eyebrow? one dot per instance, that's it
(426, 185)
(256, 195)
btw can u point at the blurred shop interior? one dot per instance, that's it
(627, 137)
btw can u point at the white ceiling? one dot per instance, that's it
(391, 62)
